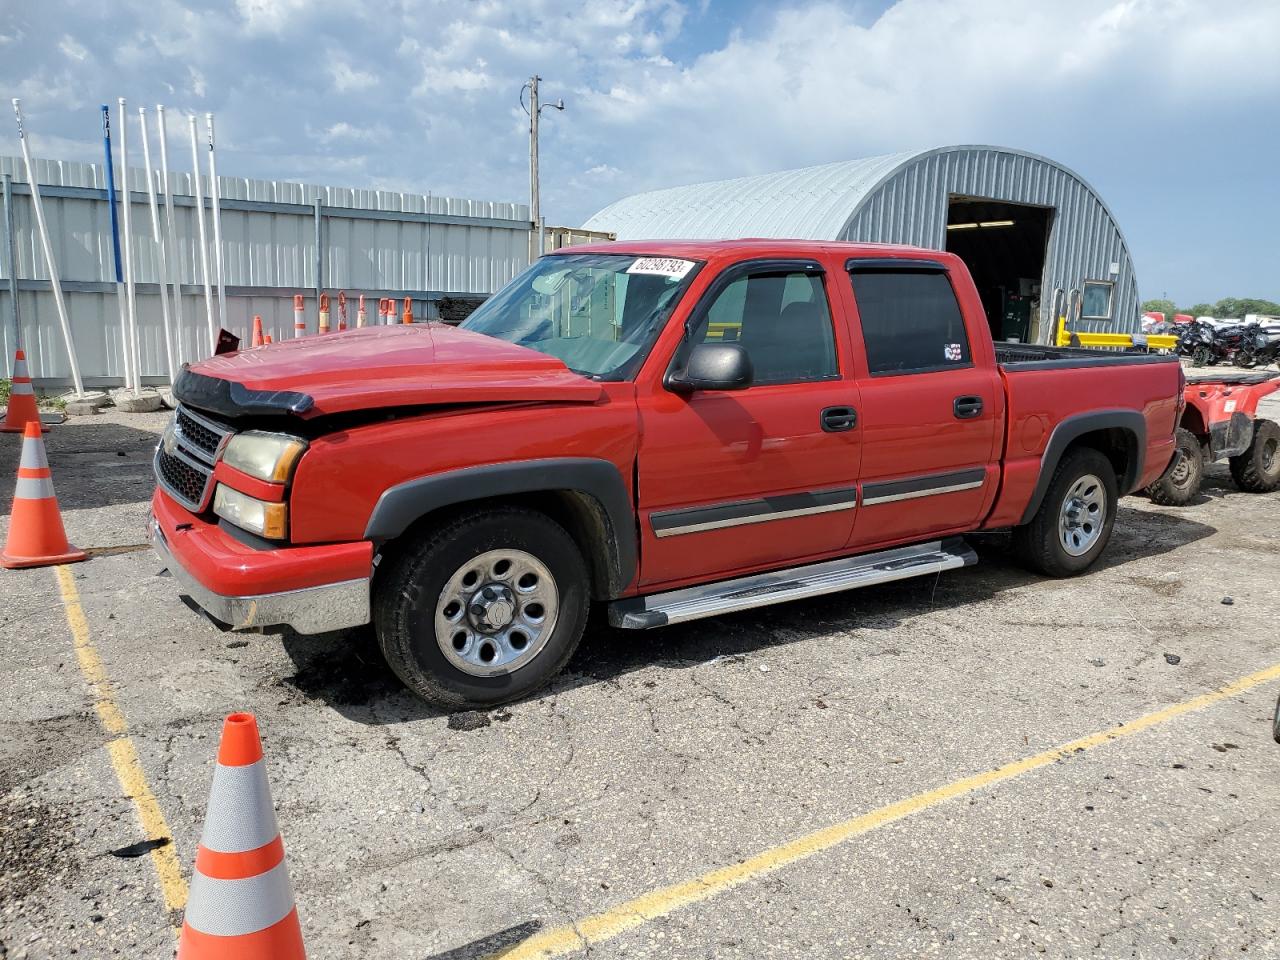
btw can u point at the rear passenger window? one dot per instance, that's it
(911, 322)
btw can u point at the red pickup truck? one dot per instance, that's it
(671, 429)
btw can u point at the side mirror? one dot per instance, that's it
(714, 366)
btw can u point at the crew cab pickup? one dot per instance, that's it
(670, 429)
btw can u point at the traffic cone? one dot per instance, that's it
(22, 399)
(408, 310)
(324, 313)
(342, 309)
(257, 331)
(241, 903)
(384, 312)
(36, 537)
(361, 317)
(266, 339)
(299, 321)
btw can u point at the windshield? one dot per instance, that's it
(599, 313)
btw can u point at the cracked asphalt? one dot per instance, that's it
(660, 756)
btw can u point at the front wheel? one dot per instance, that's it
(484, 609)
(1073, 524)
(1257, 470)
(1179, 486)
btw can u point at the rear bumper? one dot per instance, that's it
(311, 589)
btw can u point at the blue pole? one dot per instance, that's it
(111, 190)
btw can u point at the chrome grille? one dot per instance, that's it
(186, 455)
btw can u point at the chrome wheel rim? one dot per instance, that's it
(496, 613)
(1084, 510)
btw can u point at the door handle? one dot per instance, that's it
(838, 419)
(966, 408)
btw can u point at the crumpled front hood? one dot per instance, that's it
(394, 366)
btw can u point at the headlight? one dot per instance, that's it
(257, 516)
(267, 456)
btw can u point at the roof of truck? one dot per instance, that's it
(708, 249)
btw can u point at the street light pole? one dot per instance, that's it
(535, 206)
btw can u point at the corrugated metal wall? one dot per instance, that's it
(372, 242)
(910, 206)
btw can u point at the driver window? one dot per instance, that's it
(782, 319)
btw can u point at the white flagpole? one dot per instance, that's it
(173, 263)
(214, 199)
(159, 241)
(126, 200)
(204, 249)
(33, 183)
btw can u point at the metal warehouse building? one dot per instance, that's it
(279, 238)
(1037, 238)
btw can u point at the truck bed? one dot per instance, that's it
(1016, 357)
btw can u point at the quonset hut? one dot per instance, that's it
(1037, 238)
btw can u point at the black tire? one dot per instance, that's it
(1179, 486)
(1246, 358)
(1201, 357)
(1039, 543)
(1257, 470)
(407, 594)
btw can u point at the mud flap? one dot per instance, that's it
(1230, 438)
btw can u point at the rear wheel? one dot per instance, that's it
(1201, 357)
(484, 609)
(1257, 470)
(1180, 485)
(1073, 524)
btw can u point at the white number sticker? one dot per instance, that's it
(662, 267)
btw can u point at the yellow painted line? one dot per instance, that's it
(604, 926)
(123, 753)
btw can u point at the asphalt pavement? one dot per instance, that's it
(872, 774)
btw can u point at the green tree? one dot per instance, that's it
(1160, 306)
(1200, 310)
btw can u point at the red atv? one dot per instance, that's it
(1218, 421)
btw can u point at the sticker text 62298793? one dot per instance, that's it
(662, 267)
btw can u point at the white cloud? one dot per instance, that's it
(346, 78)
(72, 49)
(269, 16)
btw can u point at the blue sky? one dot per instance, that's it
(1170, 108)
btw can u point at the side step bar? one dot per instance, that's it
(779, 586)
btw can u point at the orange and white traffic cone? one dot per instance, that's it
(36, 536)
(384, 311)
(407, 317)
(324, 313)
(266, 339)
(362, 318)
(299, 320)
(22, 399)
(241, 903)
(257, 331)
(342, 309)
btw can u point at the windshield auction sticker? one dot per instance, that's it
(662, 267)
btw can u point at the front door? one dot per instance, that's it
(930, 417)
(765, 476)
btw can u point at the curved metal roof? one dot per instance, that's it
(898, 198)
(813, 203)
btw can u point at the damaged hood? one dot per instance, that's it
(394, 366)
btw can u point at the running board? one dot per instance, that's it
(796, 583)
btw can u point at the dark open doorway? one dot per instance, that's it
(1003, 244)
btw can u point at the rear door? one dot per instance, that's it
(737, 480)
(932, 405)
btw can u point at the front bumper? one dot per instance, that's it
(200, 555)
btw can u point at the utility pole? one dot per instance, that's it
(535, 206)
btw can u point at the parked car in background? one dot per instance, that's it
(670, 430)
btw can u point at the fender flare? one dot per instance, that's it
(1129, 422)
(600, 480)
